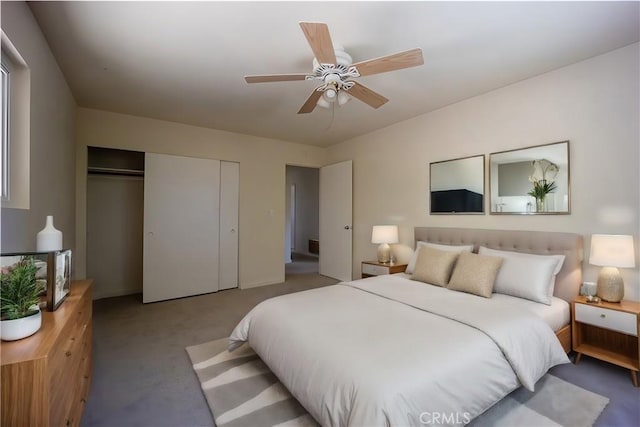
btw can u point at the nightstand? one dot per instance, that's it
(607, 331)
(375, 268)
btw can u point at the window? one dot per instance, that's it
(15, 101)
(4, 150)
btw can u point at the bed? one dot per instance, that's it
(569, 278)
(388, 350)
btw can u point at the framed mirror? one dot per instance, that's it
(457, 186)
(533, 180)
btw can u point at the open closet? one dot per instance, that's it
(115, 214)
(163, 225)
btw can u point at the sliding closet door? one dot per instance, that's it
(181, 227)
(229, 194)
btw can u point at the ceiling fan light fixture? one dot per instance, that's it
(330, 94)
(323, 103)
(334, 70)
(343, 97)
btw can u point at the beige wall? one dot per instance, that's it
(52, 135)
(262, 178)
(594, 104)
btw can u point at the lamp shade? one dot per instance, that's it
(611, 250)
(384, 234)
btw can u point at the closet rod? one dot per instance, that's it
(115, 171)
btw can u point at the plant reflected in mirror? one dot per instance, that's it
(530, 180)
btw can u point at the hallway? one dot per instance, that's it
(301, 264)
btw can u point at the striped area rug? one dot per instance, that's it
(242, 391)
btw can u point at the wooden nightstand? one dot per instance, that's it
(375, 268)
(607, 331)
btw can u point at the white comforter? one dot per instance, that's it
(387, 351)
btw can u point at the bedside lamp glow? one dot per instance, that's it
(383, 235)
(611, 252)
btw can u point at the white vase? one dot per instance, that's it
(49, 238)
(16, 329)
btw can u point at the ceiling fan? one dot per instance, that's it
(332, 66)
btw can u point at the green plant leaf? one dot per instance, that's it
(19, 289)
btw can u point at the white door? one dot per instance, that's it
(229, 194)
(335, 221)
(181, 227)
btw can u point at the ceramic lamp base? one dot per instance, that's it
(384, 253)
(610, 284)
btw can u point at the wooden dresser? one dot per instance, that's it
(45, 377)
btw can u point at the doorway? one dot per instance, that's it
(302, 220)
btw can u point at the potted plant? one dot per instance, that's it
(20, 292)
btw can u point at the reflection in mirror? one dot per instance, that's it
(532, 180)
(457, 186)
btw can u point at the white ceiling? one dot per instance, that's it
(185, 61)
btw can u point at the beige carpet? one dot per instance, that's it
(143, 377)
(242, 391)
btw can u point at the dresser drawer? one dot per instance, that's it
(374, 270)
(46, 377)
(627, 323)
(66, 377)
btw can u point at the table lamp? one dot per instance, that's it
(611, 252)
(383, 235)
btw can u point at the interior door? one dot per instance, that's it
(181, 227)
(336, 215)
(229, 195)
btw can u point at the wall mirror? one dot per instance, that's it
(533, 180)
(457, 186)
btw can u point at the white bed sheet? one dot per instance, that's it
(385, 350)
(557, 315)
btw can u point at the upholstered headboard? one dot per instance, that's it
(568, 280)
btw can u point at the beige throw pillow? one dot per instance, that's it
(475, 274)
(449, 248)
(434, 266)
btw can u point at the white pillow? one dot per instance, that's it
(527, 276)
(449, 248)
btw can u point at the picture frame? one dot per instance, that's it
(456, 186)
(54, 269)
(60, 286)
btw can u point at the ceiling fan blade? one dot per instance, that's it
(311, 102)
(397, 61)
(275, 78)
(367, 96)
(317, 35)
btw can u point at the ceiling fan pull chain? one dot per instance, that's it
(333, 114)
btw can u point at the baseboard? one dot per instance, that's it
(115, 293)
(258, 284)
